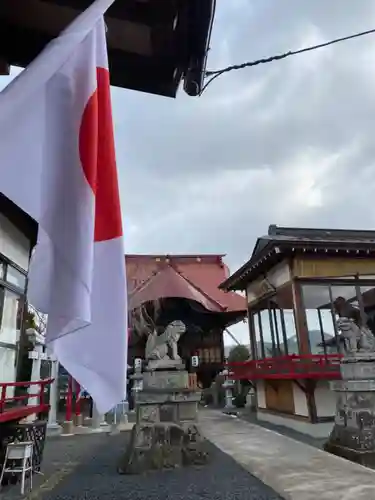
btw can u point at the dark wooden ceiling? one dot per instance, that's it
(23, 222)
(152, 44)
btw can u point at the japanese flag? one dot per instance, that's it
(58, 164)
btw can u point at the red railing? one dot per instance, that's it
(314, 366)
(73, 400)
(16, 407)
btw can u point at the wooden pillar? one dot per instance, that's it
(252, 334)
(273, 339)
(300, 319)
(304, 346)
(283, 329)
(263, 354)
(310, 399)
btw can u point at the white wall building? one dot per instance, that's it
(17, 234)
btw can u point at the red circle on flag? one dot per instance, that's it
(98, 158)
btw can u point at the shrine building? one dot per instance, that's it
(292, 281)
(17, 237)
(163, 288)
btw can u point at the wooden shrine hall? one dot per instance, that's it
(163, 288)
(292, 281)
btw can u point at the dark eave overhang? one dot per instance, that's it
(20, 219)
(153, 45)
(202, 15)
(277, 251)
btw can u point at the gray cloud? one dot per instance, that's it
(288, 143)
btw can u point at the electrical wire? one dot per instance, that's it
(215, 74)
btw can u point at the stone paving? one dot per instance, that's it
(282, 429)
(84, 467)
(297, 471)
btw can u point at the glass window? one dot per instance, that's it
(367, 294)
(286, 331)
(275, 331)
(291, 331)
(286, 328)
(268, 335)
(321, 329)
(10, 317)
(8, 368)
(324, 303)
(319, 315)
(15, 277)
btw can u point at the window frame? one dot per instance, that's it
(5, 262)
(355, 281)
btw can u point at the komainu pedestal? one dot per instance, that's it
(166, 433)
(353, 435)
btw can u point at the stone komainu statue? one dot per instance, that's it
(158, 346)
(355, 335)
(346, 310)
(356, 338)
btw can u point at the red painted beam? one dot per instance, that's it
(313, 366)
(20, 412)
(289, 376)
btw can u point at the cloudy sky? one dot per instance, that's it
(289, 143)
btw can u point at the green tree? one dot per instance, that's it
(239, 353)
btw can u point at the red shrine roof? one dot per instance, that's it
(194, 277)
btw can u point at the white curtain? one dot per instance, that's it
(8, 330)
(8, 368)
(10, 335)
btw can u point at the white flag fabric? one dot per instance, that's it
(58, 164)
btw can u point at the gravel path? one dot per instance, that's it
(96, 477)
(61, 456)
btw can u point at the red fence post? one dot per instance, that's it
(69, 400)
(41, 393)
(78, 413)
(2, 397)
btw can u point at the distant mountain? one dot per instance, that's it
(315, 339)
(314, 336)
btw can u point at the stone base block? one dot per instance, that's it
(358, 371)
(68, 428)
(87, 422)
(366, 458)
(54, 429)
(166, 380)
(360, 438)
(165, 364)
(124, 418)
(163, 446)
(78, 420)
(172, 411)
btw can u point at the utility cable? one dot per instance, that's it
(216, 73)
